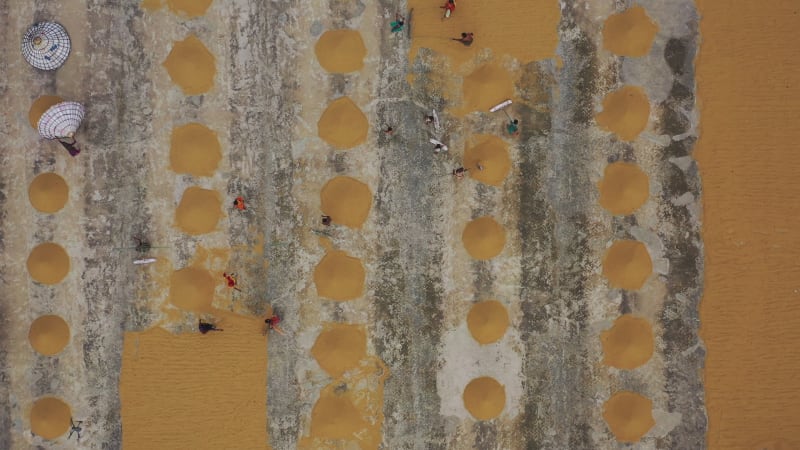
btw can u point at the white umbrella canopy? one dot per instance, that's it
(46, 45)
(61, 120)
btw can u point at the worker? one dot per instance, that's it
(466, 38)
(399, 22)
(449, 7)
(230, 280)
(513, 127)
(205, 327)
(272, 324)
(460, 172)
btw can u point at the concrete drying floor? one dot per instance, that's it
(546, 366)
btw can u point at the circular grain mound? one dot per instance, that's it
(191, 66)
(627, 265)
(198, 211)
(194, 149)
(191, 289)
(484, 238)
(341, 51)
(48, 263)
(49, 335)
(625, 112)
(629, 415)
(340, 347)
(40, 106)
(487, 86)
(346, 200)
(628, 343)
(487, 321)
(629, 33)
(48, 192)
(335, 417)
(343, 125)
(624, 188)
(484, 398)
(50, 417)
(492, 155)
(189, 8)
(339, 276)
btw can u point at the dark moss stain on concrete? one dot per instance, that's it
(485, 435)
(257, 126)
(683, 248)
(118, 111)
(408, 295)
(584, 81)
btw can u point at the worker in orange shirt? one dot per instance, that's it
(239, 203)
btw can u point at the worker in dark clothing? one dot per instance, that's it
(205, 327)
(466, 39)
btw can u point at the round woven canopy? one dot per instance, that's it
(61, 120)
(46, 45)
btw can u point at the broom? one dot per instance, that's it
(501, 107)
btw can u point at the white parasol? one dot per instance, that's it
(46, 45)
(61, 120)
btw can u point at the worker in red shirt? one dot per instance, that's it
(449, 7)
(230, 279)
(239, 203)
(272, 324)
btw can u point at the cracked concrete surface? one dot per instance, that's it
(269, 93)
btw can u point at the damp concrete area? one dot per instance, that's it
(437, 273)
